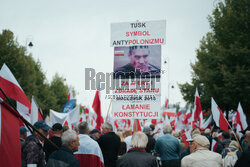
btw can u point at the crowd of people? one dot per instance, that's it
(88, 147)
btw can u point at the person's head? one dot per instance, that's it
(57, 129)
(138, 56)
(65, 128)
(199, 141)
(226, 135)
(71, 140)
(167, 129)
(43, 128)
(127, 132)
(235, 144)
(152, 126)
(83, 128)
(195, 132)
(95, 133)
(120, 135)
(176, 134)
(23, 132)
(139, 140)
(207, 132)
(107, 127)
(215, 135)
(147, 130)
(247, 137)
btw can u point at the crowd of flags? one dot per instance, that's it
(72, 114)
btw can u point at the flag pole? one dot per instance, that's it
(234, 135)
(14, 111)
(108, 110)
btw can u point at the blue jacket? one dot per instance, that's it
(168, 147)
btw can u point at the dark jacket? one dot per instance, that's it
(136, 158)
(232, 148)
(49, 148)
(244, 160)
(63, 157)
(225, 143)
(110, 146)
(151, 144)
(32, 152)
(129, 71)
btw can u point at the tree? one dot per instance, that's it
(222, 67)
(30, 76)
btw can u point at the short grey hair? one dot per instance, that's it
(247, 133)
(107, 126)
(167, 129)
(67, 136)
(83, 127)
(139, 140)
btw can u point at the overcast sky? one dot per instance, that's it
(71, 35)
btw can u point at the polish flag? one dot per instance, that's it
(241, 118)
(214, 145)
(166, 103)
(171, 112)
(89, 153)
(10, 152)
(97, 108)
(207, 123)
(70, 94)
(218, 117)
(185, 137)
(36, 114)
(11, 87)
(197, 110)
(186, 117)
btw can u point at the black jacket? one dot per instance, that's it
(244, 160)
(136, 158)
(110, 146)
(151, 144)
(63, 157)
(49, 148)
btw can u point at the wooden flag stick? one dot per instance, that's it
(234, 135)
(108, 110)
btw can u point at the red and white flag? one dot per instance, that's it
(70, 94)
(166, 103)
(207, 123)
(185, 137)
(171, 112)
(214, 145)
(219, 117)
(97, 108)
(241, 118)
(10, 152)
(197, 115)
(36, 114)
(11, 87)
(89, 153)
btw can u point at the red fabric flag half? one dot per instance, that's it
(97, 108)
(10, 152)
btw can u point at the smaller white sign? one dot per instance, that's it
(138, 33)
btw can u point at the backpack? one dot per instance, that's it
(230, 159)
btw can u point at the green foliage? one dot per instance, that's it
(29, 74)
(222, 67)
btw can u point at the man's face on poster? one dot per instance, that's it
(139, 59)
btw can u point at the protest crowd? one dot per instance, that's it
(120, 143)
(125, 148)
